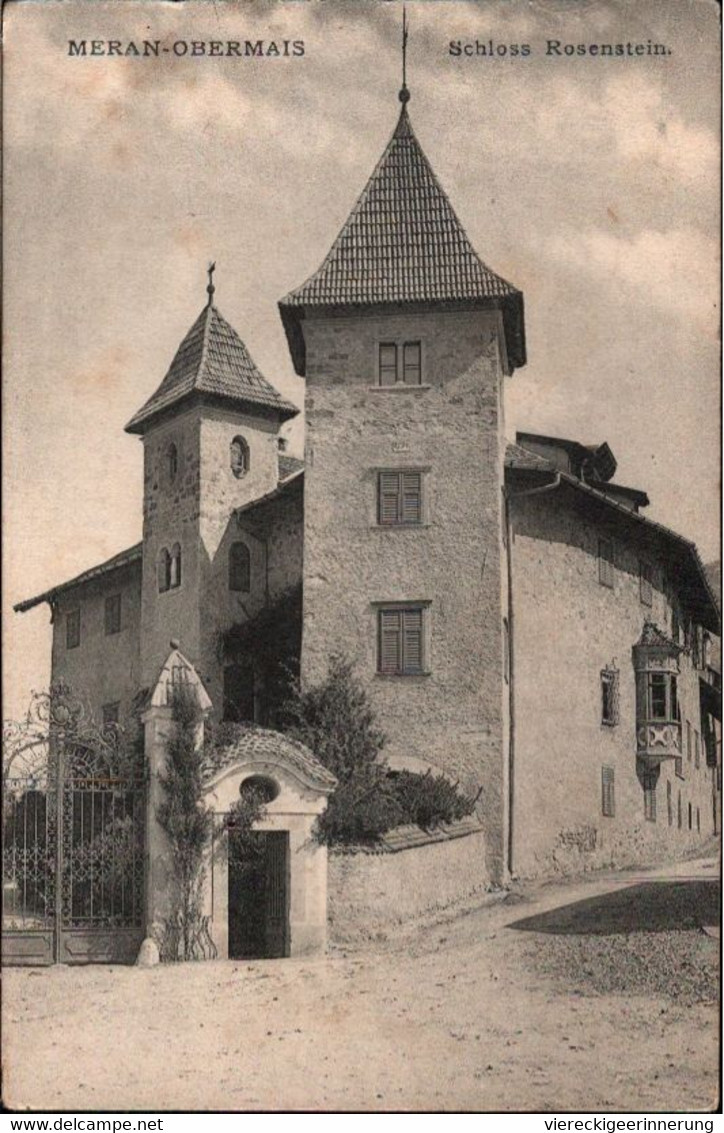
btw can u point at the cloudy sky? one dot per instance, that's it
(590, 183)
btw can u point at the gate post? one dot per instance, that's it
(158, 723)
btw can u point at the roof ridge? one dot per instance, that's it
(210, 310)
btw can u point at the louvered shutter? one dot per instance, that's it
(389, 497)
(412, 641)
(411, 497)
(608, 802)
(390, 641)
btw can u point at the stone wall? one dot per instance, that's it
(450, 428)
(369, 892)
(104, 668)
(567, 629)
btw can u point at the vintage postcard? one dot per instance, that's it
(362, 573)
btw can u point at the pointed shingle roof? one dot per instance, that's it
(403, 243)
(212, 360)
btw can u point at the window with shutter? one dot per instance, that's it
(608, 799)
(605, 562)
(401, 645)
(388, 364)
(399, 498)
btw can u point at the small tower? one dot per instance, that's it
(404, 336)
(210, 438)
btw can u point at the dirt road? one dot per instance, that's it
(561, 998)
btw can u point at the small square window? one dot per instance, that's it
(605, 562)
(609, 697)
(401, 646)
(399, 498)
(113, 614)
(72, 629)
(608, 798)
(645, 583)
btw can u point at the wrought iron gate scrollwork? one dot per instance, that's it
(73, 836)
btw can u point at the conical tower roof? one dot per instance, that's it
(212, 361)
(403, 243)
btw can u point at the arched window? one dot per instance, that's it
(171, 462)
(174, 578)
(239, 456)
(164, 570)
(239, 568)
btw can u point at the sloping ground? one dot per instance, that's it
(474, 1013)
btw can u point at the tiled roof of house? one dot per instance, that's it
(212, 360)
(403, 243)
(252, 744)
(124, 558)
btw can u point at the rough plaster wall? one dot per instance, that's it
(452, 717)
(102, 669)
(369, 892)
(567, 629)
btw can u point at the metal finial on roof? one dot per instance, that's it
(210, 288)
(404, 95)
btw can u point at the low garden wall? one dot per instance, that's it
(410, 874)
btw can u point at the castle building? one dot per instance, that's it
(518, 623)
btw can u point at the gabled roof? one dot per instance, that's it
(403, 243)
(124, 558)
(596, 460)
(213, 361)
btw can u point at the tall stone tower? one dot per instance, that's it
(404, 337)
(210, 439)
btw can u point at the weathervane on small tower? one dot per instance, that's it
(404, 92)
(210, 287)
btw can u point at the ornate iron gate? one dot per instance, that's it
(73, 838)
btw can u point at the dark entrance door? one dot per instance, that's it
(259, 895)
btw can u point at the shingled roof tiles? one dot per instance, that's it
(125, 558)
(402, 241)
(212, 360)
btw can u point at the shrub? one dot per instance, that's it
(428, 800)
